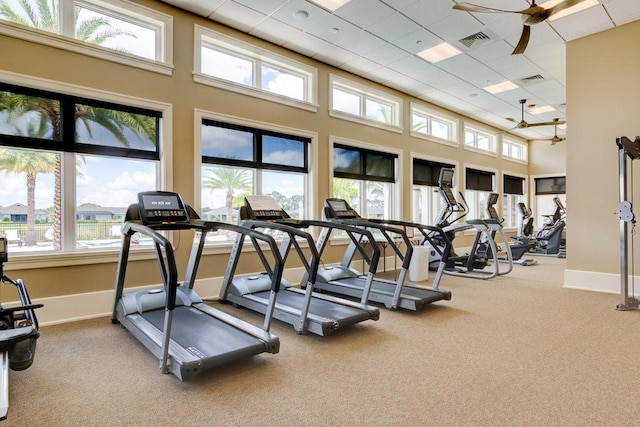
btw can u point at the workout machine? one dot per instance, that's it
(518, 248)
(484, 249)
(304, 309)
(18, 333)
(187, 335)
(344, 280)
(627, 150)
(549, 239)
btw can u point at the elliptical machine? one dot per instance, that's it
(18, 333)
(484, 250)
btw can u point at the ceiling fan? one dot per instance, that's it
(523, 124)
(555, 139)
(534, 14)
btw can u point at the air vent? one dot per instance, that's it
(531, 80)
(474, 38)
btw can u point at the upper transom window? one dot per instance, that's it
(513, 150)
(436, 127)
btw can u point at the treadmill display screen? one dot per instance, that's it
(338, 205)
(161, 206)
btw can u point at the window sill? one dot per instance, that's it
(435, 139)
(65, 259)
(357, 119)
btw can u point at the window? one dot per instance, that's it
(240, 160)
(425, 123)
(479, 140)
(366, 179)
(514, 150)
(426, 200)
(101, 153)
(478, 185)
(546, 189)
(230, 64)
(116, 30)
(513, 193)
(355, 102)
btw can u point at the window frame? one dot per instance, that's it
(120, 9)
(507, 143)
(164, 171)
(397, 185)
(477, 131)
(205, 37)
(494, 184)
(430, 114)
(312, 166)
(523, 198)
(365, 93)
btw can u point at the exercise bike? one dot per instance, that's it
(18, 333)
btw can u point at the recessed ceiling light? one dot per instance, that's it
(500, 87)
(300, 15)
(543, 109)
(439, 53)
(330, 5)
(573, 9)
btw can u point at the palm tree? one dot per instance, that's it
(229, 180)
(43, 14)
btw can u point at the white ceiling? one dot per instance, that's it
(378, 39)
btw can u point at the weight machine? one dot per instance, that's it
(627, 150)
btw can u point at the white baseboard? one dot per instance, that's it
(593, 281)
(71, 308)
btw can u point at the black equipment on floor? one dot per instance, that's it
(306, 310)
(394, 294)
(550, 240)
(483, 253)
(18, 332)
(518, 248)
(187, 335)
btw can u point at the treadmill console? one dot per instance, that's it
(3, 250)
(161, 207)
(263, 208)
(339, 208)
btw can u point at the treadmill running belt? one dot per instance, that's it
(205, 336)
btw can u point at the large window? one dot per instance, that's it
(240, 160)
(478, 185)
(356, 102)
(116, 30)
(513, 193)
(228, 63)
(546, 189)
(71, 166)
(427, 201)
(366, 179)
(432, 125)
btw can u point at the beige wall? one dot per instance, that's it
(603, 98)
(185, 96)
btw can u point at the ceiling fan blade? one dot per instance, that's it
(524, 40)
(561, 122)
(468, 7)
(566, 4)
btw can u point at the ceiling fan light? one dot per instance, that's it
(500, 87)
(439, 53)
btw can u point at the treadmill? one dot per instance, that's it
(187, 335)
(306, 310)
(343, 280)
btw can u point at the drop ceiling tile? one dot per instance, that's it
(417, 41)
(288, 14)
(237, 16)
(266, 7)
(623, 11)
(426, 14)
(308, 45)
(360, 66)
(386, 54)
(583, 23)
(364, 12)
(275, 31)
(456, 26)
(362, 43)
(393, 27)
(400, 4)
(334, 55)
(471, 70)
(333, 29)
(196, 6)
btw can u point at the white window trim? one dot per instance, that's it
(234, 46)
(165, 66)
(397, 202)
(363, 90)
(425, 111)
(524, 146)
(484, 130)
(312, 174)
(97, 256)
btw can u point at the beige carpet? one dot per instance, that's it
(518, 350)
